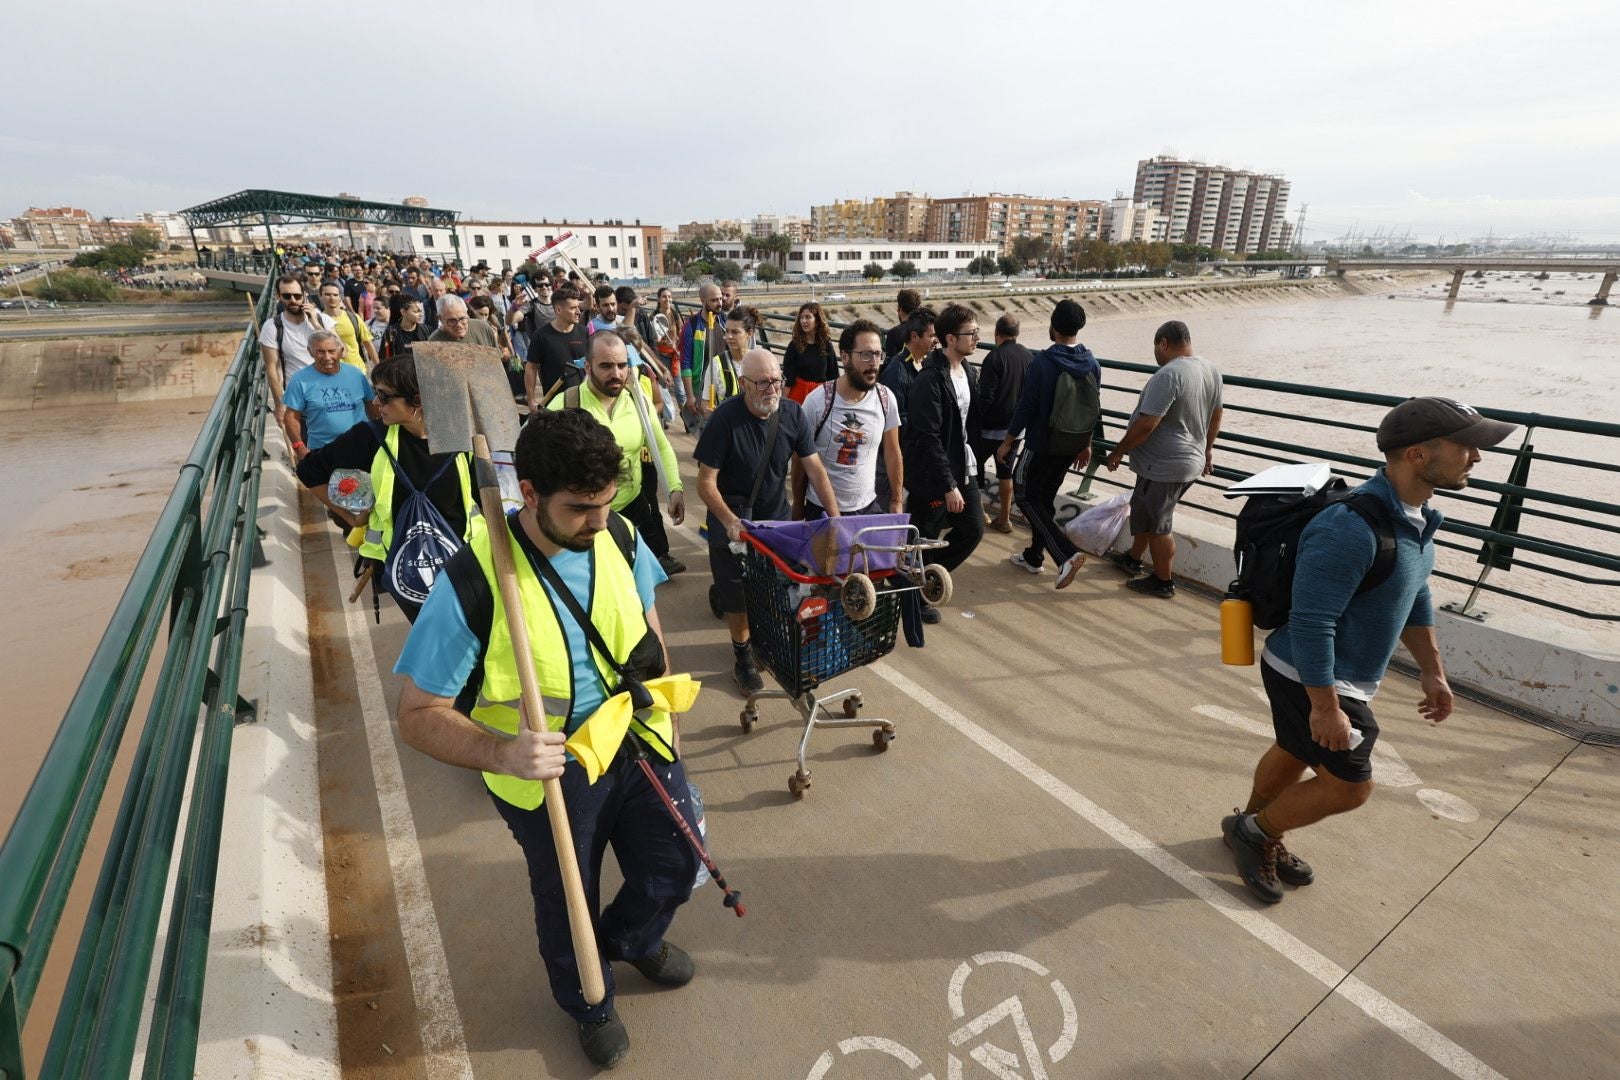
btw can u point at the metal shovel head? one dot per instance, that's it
(464, 392)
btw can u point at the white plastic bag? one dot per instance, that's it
(1096, 529)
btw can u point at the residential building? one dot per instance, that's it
(1124, 220)
(789, 225)
(1229, 209)
(906, 216)
(1000, 219)
(54, 227)
(617, 249)
(825, 258)
(848, 218)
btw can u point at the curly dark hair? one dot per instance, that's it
(846, 340)
(952, 319)
(568, 449)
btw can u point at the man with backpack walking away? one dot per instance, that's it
(1171, 440)
(1059, 407)
(1359, 586)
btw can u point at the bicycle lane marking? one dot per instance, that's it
(1430, 1042)
(443, 1040)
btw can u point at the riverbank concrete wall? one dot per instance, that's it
(67, 372)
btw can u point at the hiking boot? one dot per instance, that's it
(1152, 585)
(671, 565)
(1255, 854)
(1291, 869)
(747, 675)
(604, 1041)
(669, 966)
(1025, 565)
(1069, 569)
(930, 614)
(1126, 562)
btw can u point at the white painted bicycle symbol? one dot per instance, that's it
(1027, 1062)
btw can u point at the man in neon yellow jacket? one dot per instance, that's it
(459, 706)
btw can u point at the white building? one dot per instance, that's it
(1124, 220)
(615, 248)
(825, 258)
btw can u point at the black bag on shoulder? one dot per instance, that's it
(1268, 532)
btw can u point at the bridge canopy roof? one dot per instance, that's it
(257, 206)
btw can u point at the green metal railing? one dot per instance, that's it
(1485, 522)
(193, 574)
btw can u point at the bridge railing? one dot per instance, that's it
(1560, 542)
(193, 576)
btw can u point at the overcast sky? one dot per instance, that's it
(1445, 118)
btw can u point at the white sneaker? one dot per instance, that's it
(1068, 570)
(1028, 567)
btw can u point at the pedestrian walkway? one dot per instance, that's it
(1029, 883)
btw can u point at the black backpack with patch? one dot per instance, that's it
(1268, 532)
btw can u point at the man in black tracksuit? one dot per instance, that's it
(943, 408)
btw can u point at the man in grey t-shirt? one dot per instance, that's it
(1171, 438)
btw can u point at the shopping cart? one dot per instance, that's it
(816, 610)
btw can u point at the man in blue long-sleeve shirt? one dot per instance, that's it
(1322, 667)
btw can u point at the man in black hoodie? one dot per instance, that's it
(1057, 414)
(943, 408)
(1001, 379)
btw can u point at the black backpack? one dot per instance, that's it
(1076, 407)
(1268, 532)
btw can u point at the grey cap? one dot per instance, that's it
(1420, 419)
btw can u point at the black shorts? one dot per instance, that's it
(1291, 719)
(726, 568)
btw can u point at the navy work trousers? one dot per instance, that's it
(622, 810)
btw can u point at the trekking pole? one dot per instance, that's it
(733, 896)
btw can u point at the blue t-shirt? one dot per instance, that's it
(329, 404)
(441, 650)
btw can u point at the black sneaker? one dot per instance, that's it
(604, 1041)
(747, 675)
(669, 966)
(1152, 585)
(672, 565)
(930, 614)
(1255, 854)
(1126, 562)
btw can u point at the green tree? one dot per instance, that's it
(73, 288)
(691, 273)
(904, 269)
(1031, 250)
(768, 272)
(982, 267)
(727, 270)
(145, 238)
(873, 271)
(1009, 266)
(111, 257)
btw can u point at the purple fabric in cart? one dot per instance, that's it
(798, 542)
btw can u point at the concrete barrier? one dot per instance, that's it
(1557, 674)
(111, 370)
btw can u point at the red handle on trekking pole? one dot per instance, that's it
(733, 897)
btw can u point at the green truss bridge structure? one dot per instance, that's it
(257, 206)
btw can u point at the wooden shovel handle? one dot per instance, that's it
(533, 712)
(364, 579)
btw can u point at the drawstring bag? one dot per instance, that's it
(423, 541)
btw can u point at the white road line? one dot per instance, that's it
(444, 1045)
(1433, 1044)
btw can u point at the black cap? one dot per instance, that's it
(1420, 419)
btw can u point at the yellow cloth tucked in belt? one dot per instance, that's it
(594, 742)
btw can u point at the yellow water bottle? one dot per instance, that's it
(1237, 630)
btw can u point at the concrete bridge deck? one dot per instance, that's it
(1030, 883)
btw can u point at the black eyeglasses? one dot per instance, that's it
(292, 296)
(385, 396)
(763, 384)
(870, 355)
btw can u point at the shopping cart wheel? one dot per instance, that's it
(714, 602)
(798, 784)
(749, 717)
(936, 584)
(852, 705)
(859, 596)
(881, 738)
